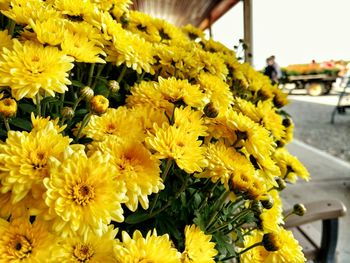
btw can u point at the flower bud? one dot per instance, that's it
(99, 104)
(257, 207)
(299, 209)
(113, 86)
(67, 113)
(267, 201)
(271, 242)
(86, 93)
(281, 184)
(210, 110)
(8, 108)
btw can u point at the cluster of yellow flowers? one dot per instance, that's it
(127, 139)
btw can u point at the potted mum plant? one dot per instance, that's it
(127, 139)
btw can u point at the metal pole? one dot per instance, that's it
(248, 30)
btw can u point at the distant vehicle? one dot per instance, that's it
(316, 78)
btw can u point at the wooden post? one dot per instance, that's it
(248, 30)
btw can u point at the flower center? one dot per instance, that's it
(83, 252)
(83, 193)
(39, 159)
(20, 247)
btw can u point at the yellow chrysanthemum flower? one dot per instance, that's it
(272, 218)
(40, 123)
(290, 250)
(142, 24)
(291, 167)
(114, 122)
(198, 248)
(89, 248)
(5, 40)
(135, 166)
(148, 116)
(217, 91)
(177, 144)
(24, 158)
(146, 94)
(190, 120)
(74, 8)
(192, 32)
(175, 90)
(152, 248)
(82, 48)
(82, 195)
(168, 32)
(263, 113)
(132, 50)
(22, 11)
(212, 63)
(31, 68)
(224, 163)
(21, 241)
(50, 31)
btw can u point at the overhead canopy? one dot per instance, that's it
(200, 13)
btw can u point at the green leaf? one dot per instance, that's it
(50, 100)
(26, 107)
(76, 83)
(21, 123)
(81, 112)
(136, 217)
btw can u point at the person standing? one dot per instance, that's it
(270, 71)
(277, 67)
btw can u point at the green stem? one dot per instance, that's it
(38, 104)
(220, 202)
(76, 103)
(234, 219)
(243, 251)
(11, 27)
(288, 215)
(91, 74)
(168, 165)
(99, 71)
(122, 74)
(82, 126)
(182, 189)
(7, 125)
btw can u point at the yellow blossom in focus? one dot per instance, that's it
(89, 195)
(152, 248)
(177, 144)
(190, 120)
(217, 91)
(198, 248)
(82, 48)
(30, 68)
(135, 166)
(21, 241)
(24, 159)
(114, 122)
(89, 248)
(224, 163)
(50, 31)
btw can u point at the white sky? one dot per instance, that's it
(295, 31)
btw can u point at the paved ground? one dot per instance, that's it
(320, 145)
(312, 117)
